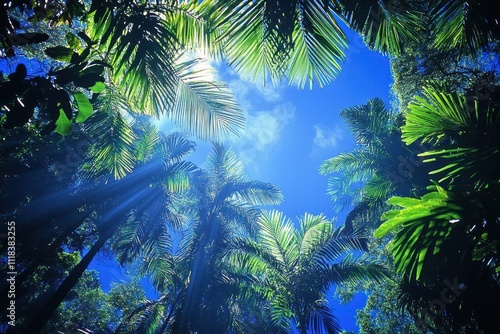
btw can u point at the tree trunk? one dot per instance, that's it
(112, 222)
(42, 317)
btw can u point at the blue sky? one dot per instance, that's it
(291, 131)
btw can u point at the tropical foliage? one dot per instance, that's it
(84, 171)
(298, 267)
(380, 166)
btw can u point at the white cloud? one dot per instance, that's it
(325, 138)
(249, 94)
(263, 132)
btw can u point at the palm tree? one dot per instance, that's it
(137, 194)
(297, 268)
(202, 290)
(380, 166)
(467, 25)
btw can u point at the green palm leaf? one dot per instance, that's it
(354, 271)
(385, 26)
(319, 45)
(340, 242)
(369, 123)
(112, 148)
(203, 107)
(464, 132)
(422, 225)
(467, 25)
(146, 142)
(313, 233)
(267, 38)
(194, 23)
(359, 164)
(141, 49)
(278, 237)
(322, 319)
(174, 147)
(343, 192)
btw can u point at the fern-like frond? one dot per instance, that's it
(369, 123)
(464, 24)
(112, 147)
(204, 107)
(277, 235)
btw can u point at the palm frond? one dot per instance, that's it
(204, 107)
(223, 165)
(314, 231)
(301, 41)
(355, 270)
(146, 142)
(377, 190)
(240, 216)
(177, 176)
(141, 49)
(156, 257)
(340, 243)
(360, 164)
(151, 319)
(318, 46)
(464, 131)
(435, 115)
(323, 320)
(422, 225)
(174, 147)
(195, 25)
(385, 26)
(277, 235)
(127, 242)
(369, 123)
(250, 254)
(252, 192)
(281, 314)
(464, 24)
(343, 192)
(112, 148)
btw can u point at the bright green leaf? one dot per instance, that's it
(98, 87)
(85, 108)
(63, 124)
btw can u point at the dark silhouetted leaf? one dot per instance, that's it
(60, 53)
(27, 38)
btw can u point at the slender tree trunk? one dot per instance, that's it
(42, 317)
(113, 221)
(47, 253)
(197, 280)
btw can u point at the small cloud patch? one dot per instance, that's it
(263, 132)
(325, 138)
